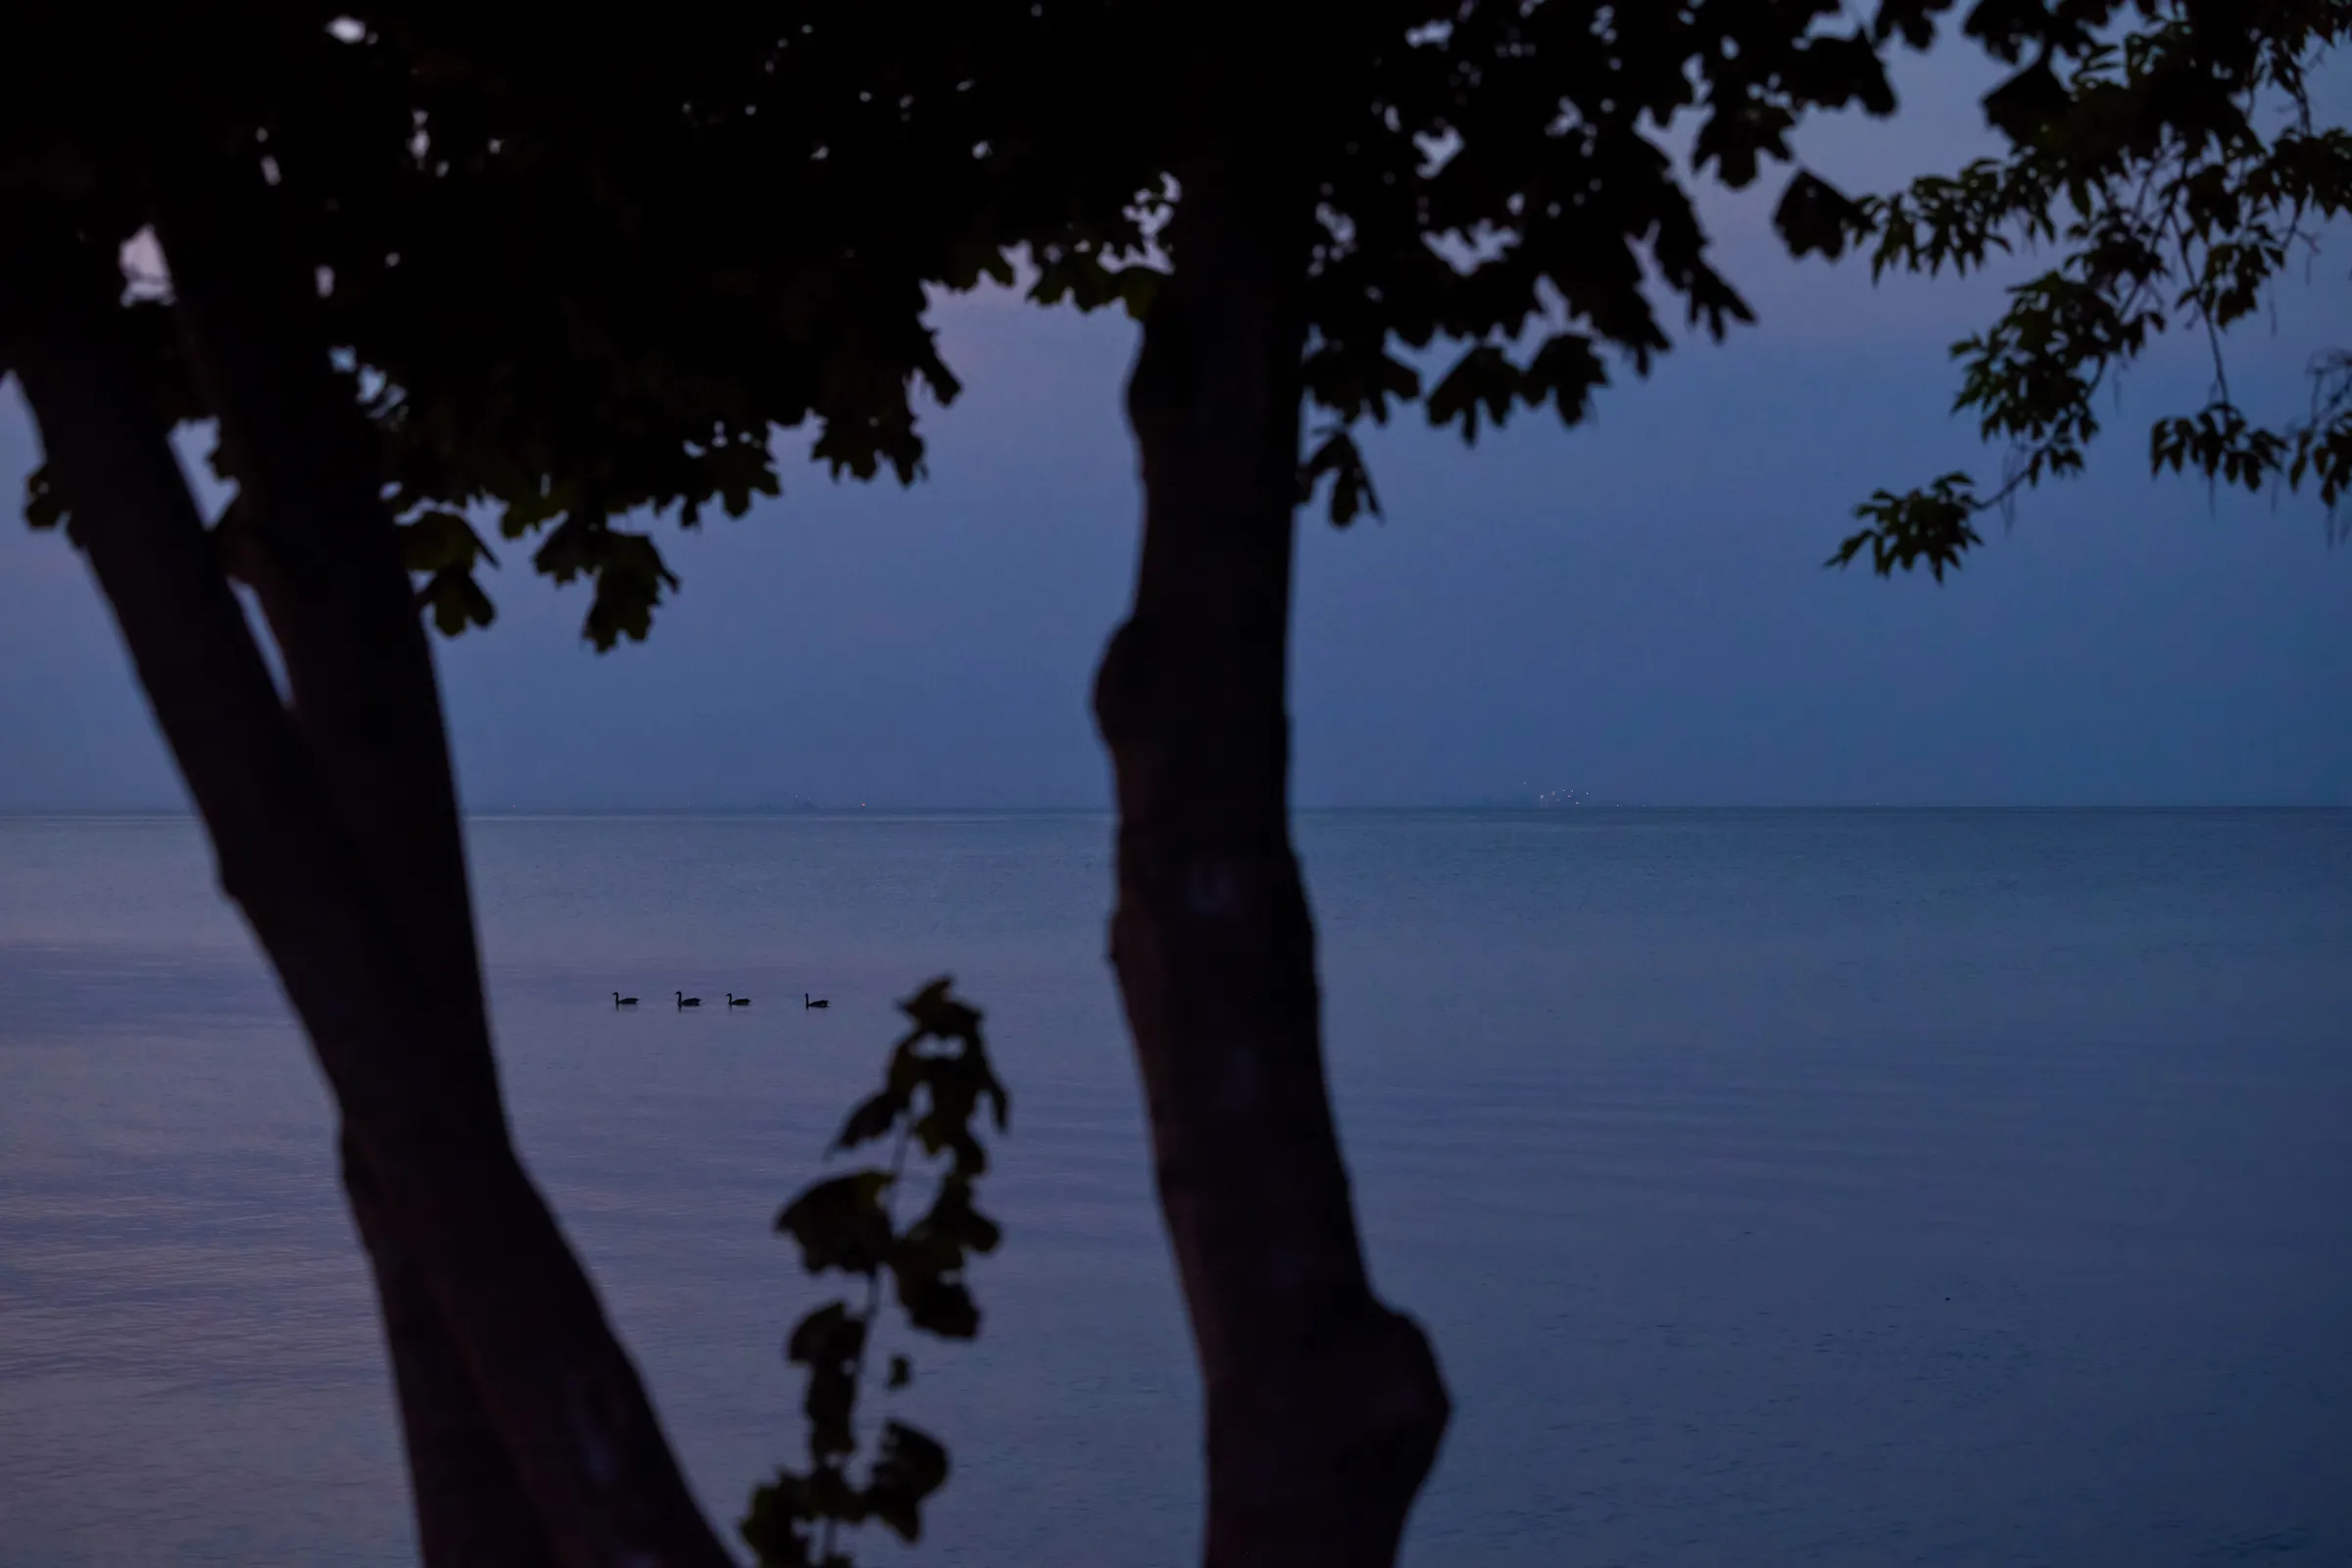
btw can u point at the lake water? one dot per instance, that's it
(1936, 1187)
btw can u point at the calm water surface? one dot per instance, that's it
(1779, 1188)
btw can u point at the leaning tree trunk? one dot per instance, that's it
(1325, 1407)
(335, 830)
(307, 537)
(470, 1510)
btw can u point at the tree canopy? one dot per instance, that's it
(583, 270)
(2176, 166)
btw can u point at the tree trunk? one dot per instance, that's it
(470, 1510)
(336, 833)
(1325, 1407)
(310, 541)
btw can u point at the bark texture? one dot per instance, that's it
(336, 829)
(1325, 1407)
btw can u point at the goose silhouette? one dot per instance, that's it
(734, 1001)
(685, 1000)
(620, 1000)
(807, 1001)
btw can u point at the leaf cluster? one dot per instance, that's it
(2177, 170)
(578, 270)
(938, 1081)
(584, 272)
(1499, 178)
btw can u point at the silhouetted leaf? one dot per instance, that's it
(841, 1224)
(44, 508)
(935, 1012)
(1815, 217)
(2027, 101)
(435, 540)
(873, 1118)
(910, 1467)
(940, 1306)
(777, 1528)
(456, 601)
(829, 1343)
(954, 1217)
(1351, 491)
(830, 1333)
(1930, 526)
(1566, 371)
(1482, 378)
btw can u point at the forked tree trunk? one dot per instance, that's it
(335, 831)
(1325, 1407)
(311, 542)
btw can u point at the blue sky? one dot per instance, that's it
(1634, 609)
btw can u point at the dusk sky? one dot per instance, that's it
(1635, 608)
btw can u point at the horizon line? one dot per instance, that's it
(1495, 807)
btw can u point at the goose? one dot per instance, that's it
(734, 1001)
(620, 1000)
(685, 1000)
(807, 1001)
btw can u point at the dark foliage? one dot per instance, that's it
(938, 1080)
(2167, 153)
(584, 270)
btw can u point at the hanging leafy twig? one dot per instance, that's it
(938, 1077)
(2153, 170)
